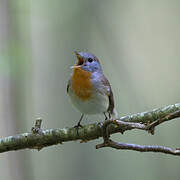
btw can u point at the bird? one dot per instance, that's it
(89, 90)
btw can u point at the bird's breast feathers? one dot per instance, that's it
(86, 95)
(81, 84)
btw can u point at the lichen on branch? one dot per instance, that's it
(39, 138)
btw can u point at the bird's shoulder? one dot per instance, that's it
(105, 87)
(101, 83)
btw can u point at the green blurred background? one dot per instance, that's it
(138, 44)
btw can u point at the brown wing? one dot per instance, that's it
(109, 93)
(111, 102)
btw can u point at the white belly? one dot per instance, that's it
(99, 103)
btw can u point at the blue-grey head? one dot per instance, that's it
(87, 62)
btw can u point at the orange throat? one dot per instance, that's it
(81, 84)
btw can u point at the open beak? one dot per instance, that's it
(80, 61)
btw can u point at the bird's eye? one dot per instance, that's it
(90, 60)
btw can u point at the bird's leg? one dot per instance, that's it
(109, 115)
(105, 116)
(79, 124)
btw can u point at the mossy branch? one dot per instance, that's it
(38, 138)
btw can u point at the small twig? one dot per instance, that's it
(123, 126)
(140, 148)
(173, 115)
(37, 131)
(37, 128)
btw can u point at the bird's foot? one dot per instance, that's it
(105, 116)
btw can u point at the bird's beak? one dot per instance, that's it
(80, 61)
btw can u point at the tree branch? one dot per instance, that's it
(127, 126)
(38, 138)
(140, 148)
